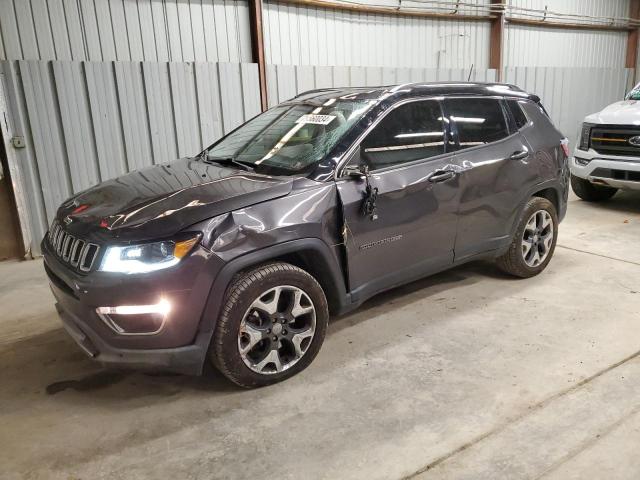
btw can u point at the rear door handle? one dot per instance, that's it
(519, 155)
(441, 176)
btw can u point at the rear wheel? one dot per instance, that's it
(590, 192)
(534, 242)
(271, 327)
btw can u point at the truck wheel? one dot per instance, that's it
(534, 242)
(271, 326)
(590, 192)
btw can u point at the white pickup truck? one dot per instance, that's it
(607, 156)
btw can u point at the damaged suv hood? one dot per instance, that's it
(161, 200)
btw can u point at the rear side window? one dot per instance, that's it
(413, 131)
(479, 120)
(517, 113)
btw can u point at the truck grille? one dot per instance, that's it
(614, 140)
(74, 251)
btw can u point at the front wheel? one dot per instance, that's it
(534, 242)
(589, 192)
(272, 325)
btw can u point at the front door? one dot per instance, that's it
(413, 230)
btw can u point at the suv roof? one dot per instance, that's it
(416, 90)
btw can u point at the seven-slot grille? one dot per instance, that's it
(614, 140)
(74, 251)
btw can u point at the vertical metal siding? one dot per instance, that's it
(534, 46)
(46, 132)
(76, 123)
(297, 35)
(84, 122)
(550, 47)
(595, 8)
(107, 30)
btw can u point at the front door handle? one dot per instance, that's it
(441, 176)
(519, 155)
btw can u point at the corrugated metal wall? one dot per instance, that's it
(85, 122)
(296, 35)
(595, 8)
(151, 30)
(535, 46)
(549, 47)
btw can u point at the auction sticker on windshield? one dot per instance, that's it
(316, 119)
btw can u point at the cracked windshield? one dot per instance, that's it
(288, 139)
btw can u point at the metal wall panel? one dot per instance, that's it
(550, 47)
(594, 8)
(535, 46)
(76, 123)
(46, 132)
(84, 122)
(107, 30)
(296, 35)
(133, 112)
(183, 90)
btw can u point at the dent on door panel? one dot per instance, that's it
(493, 187)
(414, 231)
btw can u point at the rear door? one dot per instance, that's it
(496, 171)
(414, 229)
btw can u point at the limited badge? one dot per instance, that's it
(316, 119)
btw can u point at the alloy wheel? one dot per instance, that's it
(537, 238)
(277, 329)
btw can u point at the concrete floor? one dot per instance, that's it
(468, 374)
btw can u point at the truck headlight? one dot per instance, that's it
(147, 257)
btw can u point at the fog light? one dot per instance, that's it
(581, 161)
(135, 319)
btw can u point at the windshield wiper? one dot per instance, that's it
(227, 161)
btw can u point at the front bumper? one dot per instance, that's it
(180, 346)
(614, 171)
(187, 360)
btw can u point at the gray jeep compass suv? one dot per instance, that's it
(238, 256)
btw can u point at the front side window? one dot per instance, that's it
(289, 139)
(478, 120)
(413, 131)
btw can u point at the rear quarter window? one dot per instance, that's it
(518, 115)
(478, 120)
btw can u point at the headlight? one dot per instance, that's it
(146, 257)
(585, 135)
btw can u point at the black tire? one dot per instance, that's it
(589, 192)
(513, 261)
(245, 289)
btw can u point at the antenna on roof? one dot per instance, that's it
(470, 72)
